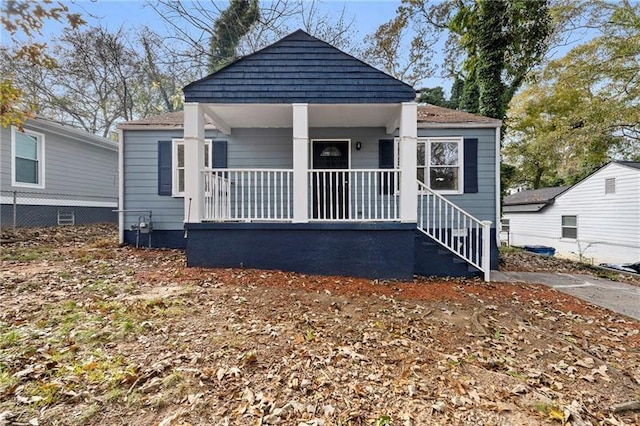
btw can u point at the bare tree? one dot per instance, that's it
(406, 58)
(192, 26)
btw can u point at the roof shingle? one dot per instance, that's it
(534, 196)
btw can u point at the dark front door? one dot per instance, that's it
(330, 189)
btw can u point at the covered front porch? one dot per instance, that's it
(333, 209)
(324, 182)
(316, 209)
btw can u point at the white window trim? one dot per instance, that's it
(562, 237)
(460, 141)
(41, 159)
(174, 164)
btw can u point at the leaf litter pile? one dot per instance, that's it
(93, 333)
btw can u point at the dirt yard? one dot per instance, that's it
(92, 333)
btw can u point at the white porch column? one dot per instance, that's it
(408, 162)
(193, 162)
(300, 162)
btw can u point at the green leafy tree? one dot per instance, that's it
(502, 41)
(582, 110)
(233, 23)
(434, 96)
(491, 46)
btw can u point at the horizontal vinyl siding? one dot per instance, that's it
(482, 204)
(71, 167)
(272, 148)
(609, 222)
(141, 180)
(260, 148)
(5, 158)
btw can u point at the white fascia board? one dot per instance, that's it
(78, 135)
(459, 125)
(30, 201)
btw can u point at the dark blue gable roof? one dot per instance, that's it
(299, 69)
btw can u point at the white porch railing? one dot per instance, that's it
(455, 229)
(248, 195)
(368, 195)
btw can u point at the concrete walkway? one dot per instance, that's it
(618, 297)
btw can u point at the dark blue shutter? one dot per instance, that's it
(219, 155)
(165, 169)
(470, 166)
(386, 160)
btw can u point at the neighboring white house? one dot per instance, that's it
(597, 219)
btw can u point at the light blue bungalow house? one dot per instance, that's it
(303, 158)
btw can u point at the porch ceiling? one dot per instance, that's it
(324, 115)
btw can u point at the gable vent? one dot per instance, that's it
(610, 186)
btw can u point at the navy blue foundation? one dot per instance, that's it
(383, 251)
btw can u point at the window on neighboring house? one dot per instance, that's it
(505, 224)
(610, 186)
(440, 164)
(28, 158)
(178, 164)
(570, 227)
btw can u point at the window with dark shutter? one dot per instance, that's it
(164, 167)
(471, 165)
(219, 154)
(386, 159)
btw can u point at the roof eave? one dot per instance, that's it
(72, 133)
(464, 125)
(158, 127)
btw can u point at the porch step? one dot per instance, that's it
(432, 259)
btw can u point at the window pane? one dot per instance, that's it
(444, 153)
(569, 221)
(444, 178)
(570, 233)
(421, 154)
(180, 180)
(421, 174)
(26, 146)
(180, 155)
(206, 155)
(26, 171)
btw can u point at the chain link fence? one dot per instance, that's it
(20, 209)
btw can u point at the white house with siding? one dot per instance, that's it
(598, 218)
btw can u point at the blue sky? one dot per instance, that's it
(368, 14)
(132, 14)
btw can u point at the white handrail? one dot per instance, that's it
(461, 233)
(362, 195)
(248, 194)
